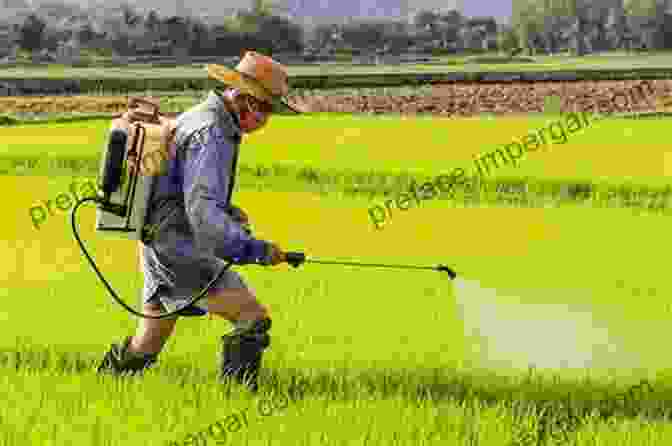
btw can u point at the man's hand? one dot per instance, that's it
(276, 254)
(239, 215)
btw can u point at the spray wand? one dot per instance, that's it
(297, 258)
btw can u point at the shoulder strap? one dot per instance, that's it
(232, 177)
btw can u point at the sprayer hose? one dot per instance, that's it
(73, 221)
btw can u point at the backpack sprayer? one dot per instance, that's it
(139, 148)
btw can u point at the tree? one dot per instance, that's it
(245, 22)
(447, 33)
(363, 35)
(32, 33)
(448, 26)
(120, 44)
(667, 30)
(53, 34)
(641, 8)
(262, 8)
(523, 30)
(578, 37)
(522, 12)
(130, 16)
(452, 17)
(176, 29)
(85, 34)
(397, 41)
(615, 25)
(152, 21)
(321, 35)
(507, 39)
(527, 19)
(425, 18)
(200, 38)
(488, 23)
(282, 34)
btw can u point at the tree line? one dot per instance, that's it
(537, 26)
(125, 31)
(592, 25)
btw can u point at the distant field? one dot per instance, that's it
(362, 357)
(544, 63)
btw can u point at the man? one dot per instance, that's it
(198, 227)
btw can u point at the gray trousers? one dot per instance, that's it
(173, 275)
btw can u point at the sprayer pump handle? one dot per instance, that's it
(295, 258)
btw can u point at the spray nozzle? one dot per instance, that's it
(295, 258)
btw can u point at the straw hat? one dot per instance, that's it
(259, 76)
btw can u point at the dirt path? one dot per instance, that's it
(444, 100)
(466, 100)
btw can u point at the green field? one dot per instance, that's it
(543, 63)
(362, 357)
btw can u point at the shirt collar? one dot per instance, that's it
(229, 120)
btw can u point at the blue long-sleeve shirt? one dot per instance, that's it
(207, 182)
(201, 178)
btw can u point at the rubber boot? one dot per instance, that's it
(119, 361)
(242, 351)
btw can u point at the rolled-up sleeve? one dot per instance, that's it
(206, 183)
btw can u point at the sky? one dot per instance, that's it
(500, 9)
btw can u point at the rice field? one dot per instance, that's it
(360, 356)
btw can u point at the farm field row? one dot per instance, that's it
(377, 188)
(543, 63)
